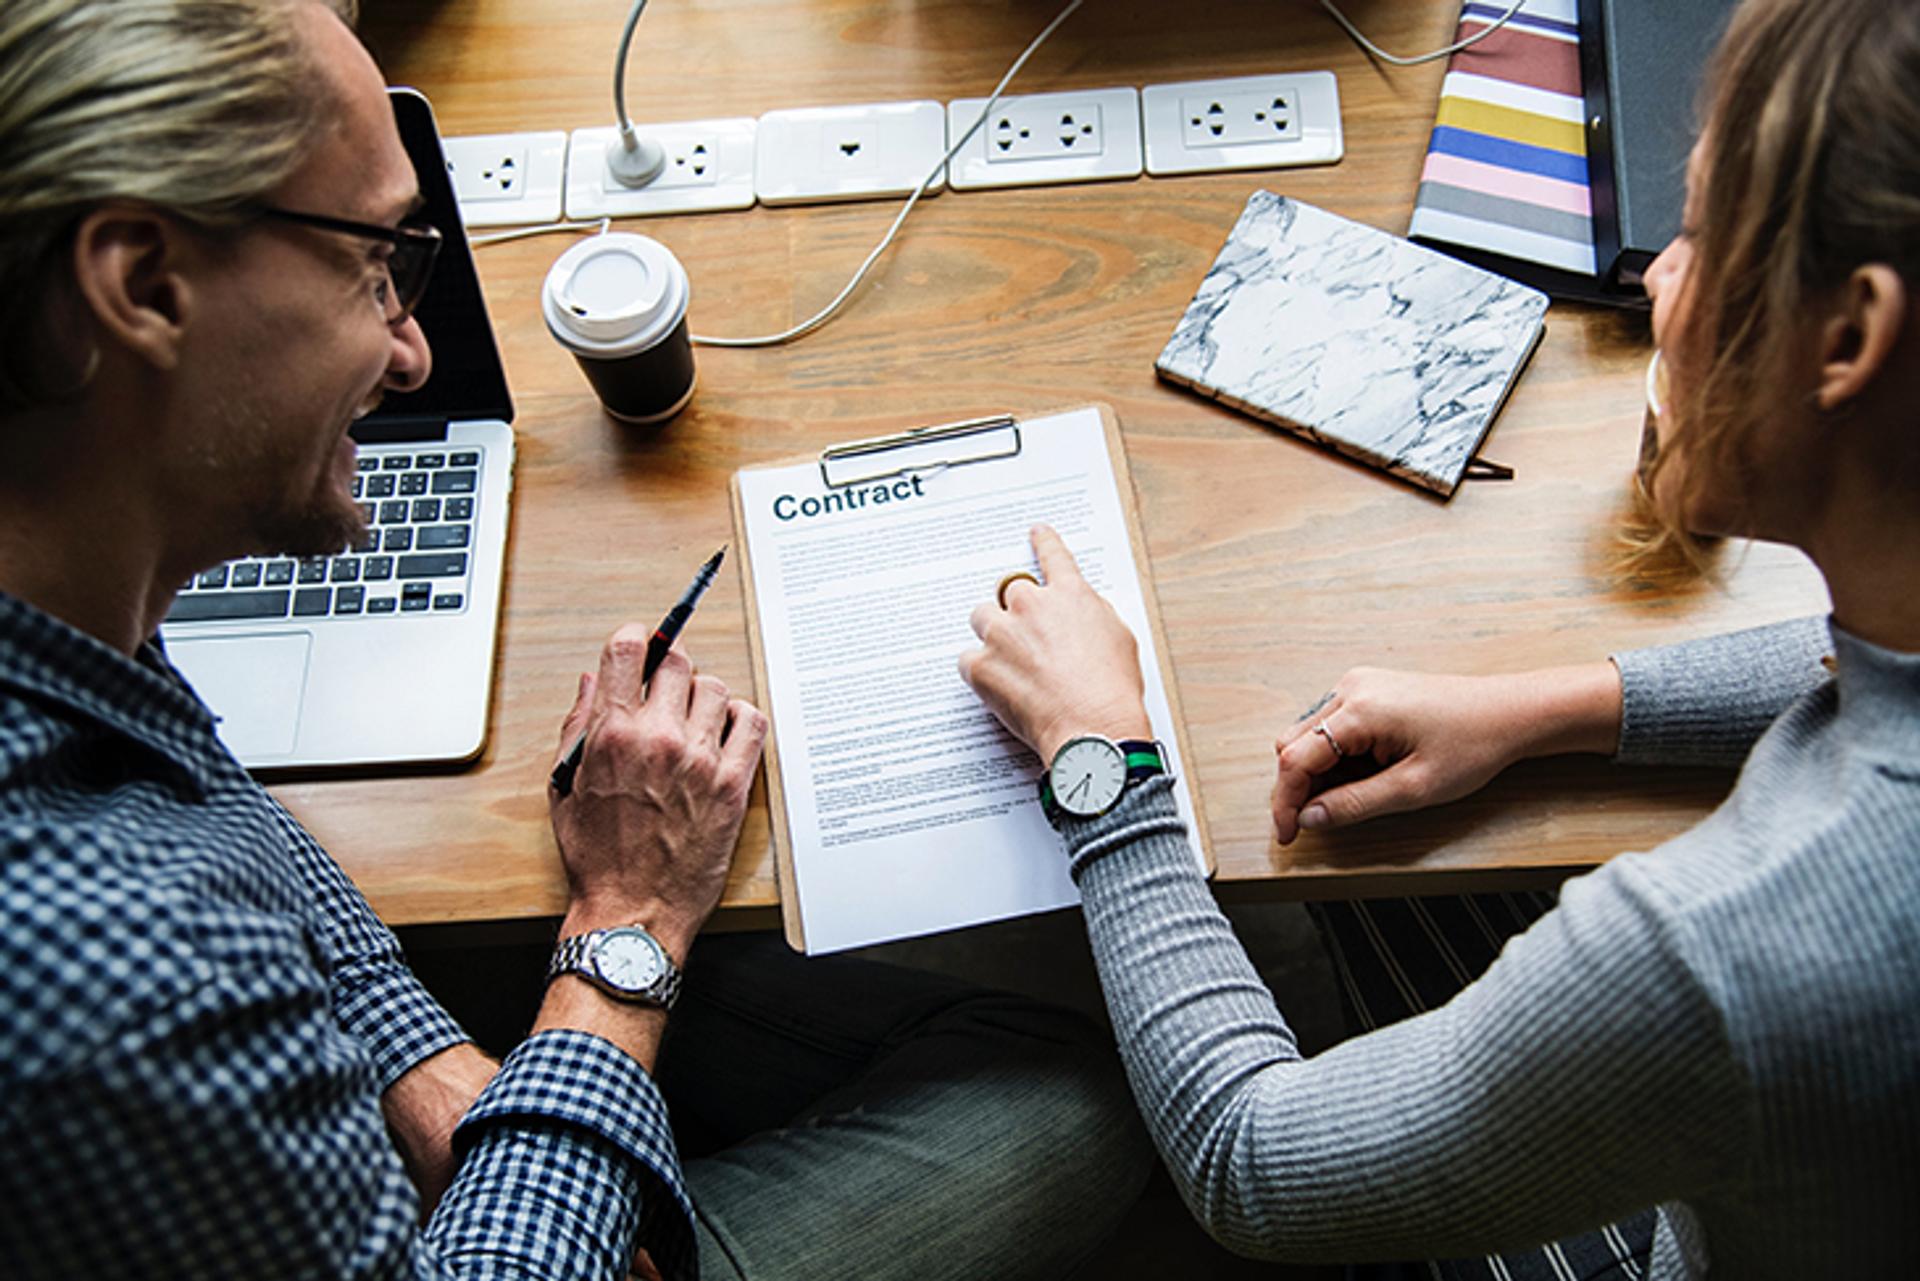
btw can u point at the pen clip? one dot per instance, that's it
(920, 449)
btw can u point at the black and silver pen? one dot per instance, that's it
(657, 647)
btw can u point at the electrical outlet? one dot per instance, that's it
(709, 167)
(1251, 122)
(1234, 119)
(813, 154)
(1083, 136)
(506, 178)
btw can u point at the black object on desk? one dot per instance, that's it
(1641, 64)
(657, 647)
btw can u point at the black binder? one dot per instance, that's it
(1642, 64)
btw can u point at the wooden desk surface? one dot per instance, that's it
(1278, 565)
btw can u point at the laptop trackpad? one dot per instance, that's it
(253, 683)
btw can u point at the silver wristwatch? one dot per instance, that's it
(626, 962)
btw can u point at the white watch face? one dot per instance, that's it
(1087, 776)
(629, 960)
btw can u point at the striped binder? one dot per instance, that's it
(1505, 180)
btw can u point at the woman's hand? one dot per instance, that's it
(1057, 661)
(1437, 738)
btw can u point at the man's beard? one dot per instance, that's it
(329, 523)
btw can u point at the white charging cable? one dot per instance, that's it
(827, 312)
(599, 226)
(632, 160)
(1419, 58)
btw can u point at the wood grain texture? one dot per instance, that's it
(1277, 565)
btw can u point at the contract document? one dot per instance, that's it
(900, 804)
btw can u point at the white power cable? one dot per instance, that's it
(827, 313)
(1417, 59)
(598, 225)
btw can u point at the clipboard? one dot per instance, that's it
(923, 450)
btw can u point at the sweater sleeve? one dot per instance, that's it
(1706, 702)
(1540, 1101)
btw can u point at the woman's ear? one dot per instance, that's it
(127, 265)
(1860, 335)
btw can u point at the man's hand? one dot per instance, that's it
(1057, 661)
(648, 831)
(424, 1105)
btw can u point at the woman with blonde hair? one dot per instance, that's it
(1723, 1031)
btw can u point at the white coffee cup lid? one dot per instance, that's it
(614, 294)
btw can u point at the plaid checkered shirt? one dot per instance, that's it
(199, 1012)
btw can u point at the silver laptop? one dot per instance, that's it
(382, 654)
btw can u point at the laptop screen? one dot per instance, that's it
(468, 381)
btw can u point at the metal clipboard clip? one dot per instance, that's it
(920, 449)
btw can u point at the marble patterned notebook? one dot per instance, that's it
(1394, 354)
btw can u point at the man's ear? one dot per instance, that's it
(1858, 337)
(129, 266)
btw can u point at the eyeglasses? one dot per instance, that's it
(416, 245)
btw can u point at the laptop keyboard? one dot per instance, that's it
(415, 558)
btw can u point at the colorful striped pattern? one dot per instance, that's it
(1506, 167)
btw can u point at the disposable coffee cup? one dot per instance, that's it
(618, 302)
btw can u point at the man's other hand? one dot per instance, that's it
(648, 831)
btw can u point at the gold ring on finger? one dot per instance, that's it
(1017, 576)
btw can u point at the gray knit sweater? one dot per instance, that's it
(1727, 1026)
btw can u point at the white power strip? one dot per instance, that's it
(816, 154)
(709, 167)
(1046, 138)
(810, 155)
(1250, 122)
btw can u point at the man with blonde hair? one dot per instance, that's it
(213, 1058)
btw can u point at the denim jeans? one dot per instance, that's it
(839, 1118)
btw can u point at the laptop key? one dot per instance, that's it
(394, 512)
(215, 577)
(467, 458)
(377, 569)
(458, 509)
(247, 575)
(382, 604)
(380, 486)
(228, 605)
(455, 482)
(431, 462)
(439, 537)
(369, 541)
(450, 600)
(311, 600)
(346, 570)
(395, 462)
(279, 573)
(426, 510)
(414, 484)
(398, 539)
(364, 463)
(314, 571)
(348, 600)
(433, 565)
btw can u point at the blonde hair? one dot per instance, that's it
(196, 107)
(1812, 165)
